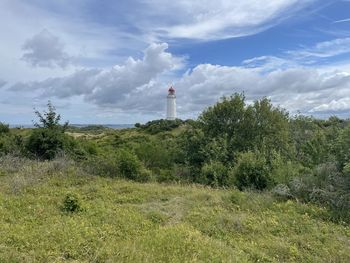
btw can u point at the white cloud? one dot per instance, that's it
(324, 49)
(208, 20)
(339, 105)
(342, 21)
(45, 50)
(297, 89)
(125, 86)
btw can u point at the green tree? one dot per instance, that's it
(270, 127)
(49, 137)
(50, 119)
(225, 117)
(260, 126)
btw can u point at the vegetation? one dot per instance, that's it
(244, 181)
(124, 221)
(49, 137)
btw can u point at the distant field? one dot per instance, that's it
(122, 221)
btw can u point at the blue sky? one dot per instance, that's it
(112, 61)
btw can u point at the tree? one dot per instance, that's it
(270, 127)
(49, 138)
(50, 119)
(259, 126)
(225, 117)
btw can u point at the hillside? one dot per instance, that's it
(124, 221)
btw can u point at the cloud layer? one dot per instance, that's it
(209, 20)
(122, 86)
(90, 58)
(140, 84)
(297, 89)
(45, 50)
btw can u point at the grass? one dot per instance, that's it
(122, 221)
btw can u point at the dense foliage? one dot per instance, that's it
(49, 138)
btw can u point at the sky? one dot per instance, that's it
(112, 61)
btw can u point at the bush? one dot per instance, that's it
(251, 171)
(130, 167)
(4, 128)
(49, 138)
(343, 146)
(157, 126)
(46, 143)
(282, 191)
(11, 144)
(346, 169)
(325, 185)
(281, 170)
(71, 203)
(105, 165)
(154, 154)
(214, 174)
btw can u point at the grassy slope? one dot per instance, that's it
(129, 222)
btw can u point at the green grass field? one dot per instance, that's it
(123, 221)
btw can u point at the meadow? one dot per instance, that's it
(124, 221)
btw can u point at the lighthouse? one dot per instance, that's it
(171, 104)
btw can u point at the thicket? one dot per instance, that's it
(233, 144)
(157, 126)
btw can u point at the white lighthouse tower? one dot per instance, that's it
(171, 104)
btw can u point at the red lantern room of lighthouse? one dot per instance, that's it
(171, 91)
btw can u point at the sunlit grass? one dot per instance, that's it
(122, 221)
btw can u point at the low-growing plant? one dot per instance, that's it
(71, 203)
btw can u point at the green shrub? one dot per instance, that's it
(157, 126)
(346, 169)
(214, 174)
(130, 167)
(327, 186)
(11, 144)
(343, 146)
(49, 138)
(4, 128)
(46, 143)
(71, 203)
(102, 165)
(251, 171)
(164, 175)
(80, 149)
(281, 170)
(154, 154)
(6, 144)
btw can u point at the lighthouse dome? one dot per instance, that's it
(171, 90)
